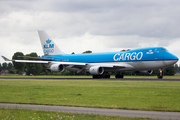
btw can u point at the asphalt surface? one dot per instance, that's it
(66, 78)
(96, 111)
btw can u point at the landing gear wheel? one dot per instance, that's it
(119, 76)
(97, 76)
(160, 77)
(106, 76)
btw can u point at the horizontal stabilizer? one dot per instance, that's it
(6, 59)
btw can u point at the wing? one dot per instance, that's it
(30, 61)
(111, 65)
(44, 61)
(78, 65)
(25, 61)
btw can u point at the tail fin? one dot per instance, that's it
(48, 45)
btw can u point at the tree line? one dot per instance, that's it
(39, 69)
(6, 66)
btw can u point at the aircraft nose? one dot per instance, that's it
(173, 57)
(170, 57)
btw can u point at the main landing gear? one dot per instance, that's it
(160, 74)
(104, 76)
(120, 75)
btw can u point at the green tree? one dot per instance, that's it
(176, 68)
(18, 65)
(45, 71)
(170, 71)
(33, 68)
(0, 67)
(88, 51)
(4, 66)
(9, 66)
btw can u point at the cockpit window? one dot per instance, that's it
(163, 49)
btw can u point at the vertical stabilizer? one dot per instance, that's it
(48, 45)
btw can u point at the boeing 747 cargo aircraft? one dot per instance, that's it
(143, 60)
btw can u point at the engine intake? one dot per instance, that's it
(96, 70)
(57, 68)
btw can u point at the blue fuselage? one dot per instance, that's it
(143, 54)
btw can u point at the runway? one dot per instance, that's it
(76, 78)
(97, 111)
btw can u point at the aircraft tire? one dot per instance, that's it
(101, 76)
(122, 76)
(119, 76)
(106, 76)
(97, 76)
(160, 77)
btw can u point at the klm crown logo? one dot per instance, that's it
(48, 41)
(48, 48)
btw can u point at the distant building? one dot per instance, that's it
(4, 72)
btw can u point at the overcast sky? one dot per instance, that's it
(97, 25)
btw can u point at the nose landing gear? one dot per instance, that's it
(160, 74)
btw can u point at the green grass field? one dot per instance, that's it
(139, 95)
(21, 114)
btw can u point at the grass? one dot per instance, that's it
(139, 95)
(22, 114)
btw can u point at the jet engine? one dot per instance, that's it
(96, 70)
(146, 72)
(57, 68)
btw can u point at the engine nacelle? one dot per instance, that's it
(57, 68)
(146, 72)
(96, 70)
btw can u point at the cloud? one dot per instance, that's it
(98, 25)
(117, 17)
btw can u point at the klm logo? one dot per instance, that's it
(48, 47)
(149, 52)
